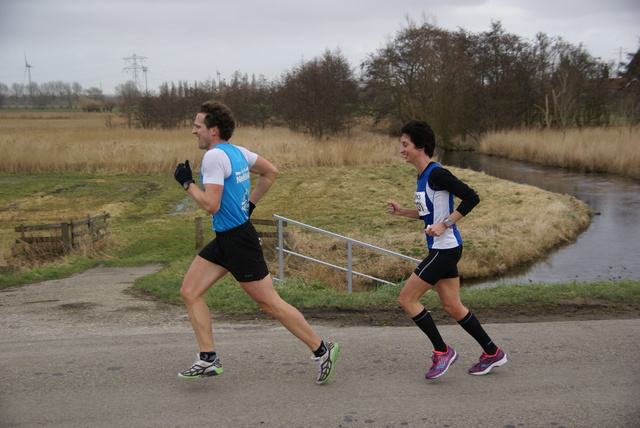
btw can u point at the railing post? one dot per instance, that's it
(349, 267)
(280, 251)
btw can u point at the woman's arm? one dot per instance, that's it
(396, 209)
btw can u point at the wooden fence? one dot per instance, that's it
(273, 233)
(67, 235)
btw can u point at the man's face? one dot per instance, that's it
(204, 135)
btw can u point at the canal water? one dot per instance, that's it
(608, 249)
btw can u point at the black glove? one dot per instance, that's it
(183, 174)
(252, 207)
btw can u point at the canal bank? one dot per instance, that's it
(608, 249)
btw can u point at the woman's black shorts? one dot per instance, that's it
(439, 264)
(239, 251)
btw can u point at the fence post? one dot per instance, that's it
(64, 234)
(199, 233)
(72, 239)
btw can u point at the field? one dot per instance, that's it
(60, 166)
(67, 166)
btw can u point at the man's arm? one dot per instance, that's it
(267, 174)
(209, 200)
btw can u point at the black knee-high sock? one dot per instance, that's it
(428, 326)
(472, 326)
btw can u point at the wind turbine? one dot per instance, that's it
(27, 69)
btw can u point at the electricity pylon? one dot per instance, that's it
(136, 65)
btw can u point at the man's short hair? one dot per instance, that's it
(218, 114)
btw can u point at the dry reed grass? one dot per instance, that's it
(80, 142)
(610, 150)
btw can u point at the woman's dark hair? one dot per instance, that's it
(218, 114)
(422, 135)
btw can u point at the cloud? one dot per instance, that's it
(86, 41)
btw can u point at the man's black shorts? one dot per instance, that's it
(439, 264)
(239, 251)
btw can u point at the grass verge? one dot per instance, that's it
(378, 306)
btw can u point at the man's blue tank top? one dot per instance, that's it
(234, 205)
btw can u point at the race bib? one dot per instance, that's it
(421, 203)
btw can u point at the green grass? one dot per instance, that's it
(152, 222)
(228, 296)
(619, 291)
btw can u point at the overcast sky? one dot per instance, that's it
(87, 41)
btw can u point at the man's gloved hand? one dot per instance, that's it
(252, 207)
(183, 174)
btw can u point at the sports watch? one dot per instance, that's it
(448, 222)
(186, 184)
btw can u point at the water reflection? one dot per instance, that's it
(609, 248)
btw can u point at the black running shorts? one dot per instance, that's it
(439, 264)
(239, 251)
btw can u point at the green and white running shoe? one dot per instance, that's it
(202, 368)
(327, 362)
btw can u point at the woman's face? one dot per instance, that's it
(409, 151)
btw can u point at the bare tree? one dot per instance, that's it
(17, 92)
(423, 73)
(128, 97)
(94, 93)
(319, 96)
(502, 64)
(568, 83)
(628, 98)
(4, 92)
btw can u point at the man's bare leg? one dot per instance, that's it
(201, 275)
(270, 302)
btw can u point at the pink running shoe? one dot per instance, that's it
(441, 363)
(488, 362)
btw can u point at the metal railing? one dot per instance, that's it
(350, 243)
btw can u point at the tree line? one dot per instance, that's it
(463, 83)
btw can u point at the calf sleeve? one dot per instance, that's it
(428, 327)
(472, 326)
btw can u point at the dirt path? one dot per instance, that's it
(99, 298)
